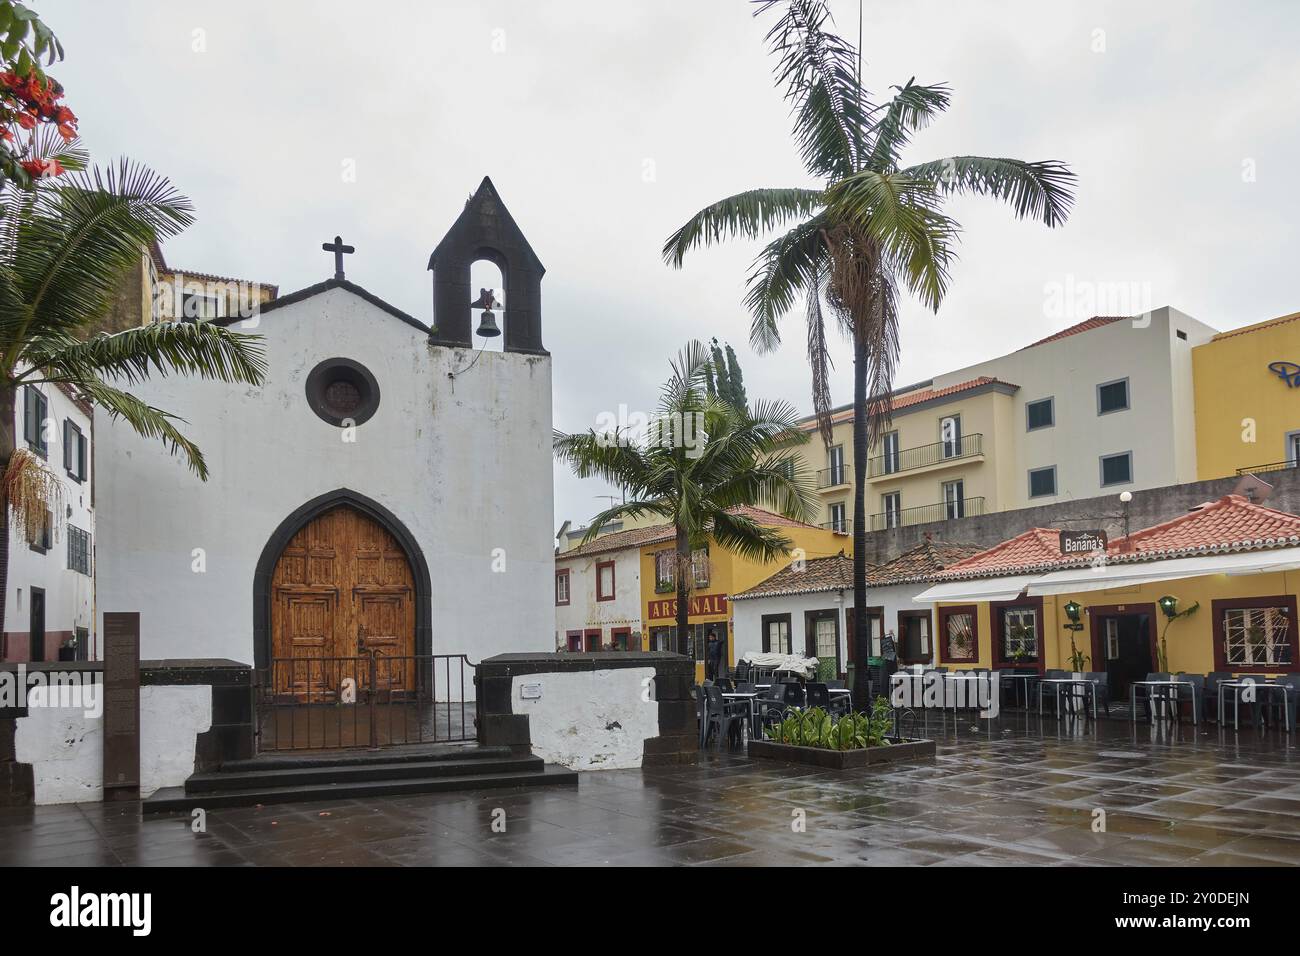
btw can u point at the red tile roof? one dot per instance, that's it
(1230, 524)
(921, 563)
(814, 575)
(653, 534)
(914, 397)
(1087, 325)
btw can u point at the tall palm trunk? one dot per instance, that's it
(861, 641)
(6, 452)
(683, 591)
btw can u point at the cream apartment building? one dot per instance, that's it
(1106, 404)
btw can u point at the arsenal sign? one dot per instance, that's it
(700, 604)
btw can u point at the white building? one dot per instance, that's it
(50, 599)
(388, 487)
(803, 603)
(598, 592)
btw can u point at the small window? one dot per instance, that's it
(1116, 469)
(700, 567)
(958, 634)
(562, 587)
(36, 409)
(890, 446)
(39, 533)
(1040, 414)
(665, 571)
(1042, 481)
(838, 522)
(1181, 334)
(1019, 634)
(1257, 637)
(605, 581)
(78, 550)
(196, 307)
(836, 473)
(891, 506)
(1112, 397)
(74, 451)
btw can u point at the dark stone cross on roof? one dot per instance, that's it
(338, 249)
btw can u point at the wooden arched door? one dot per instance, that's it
(342, 587)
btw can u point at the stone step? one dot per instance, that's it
(289, 760)
(176, 799)
(263, 779)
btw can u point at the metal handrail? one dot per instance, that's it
(834, 476)
(1273, 466)
(922, 514)
(922, 456)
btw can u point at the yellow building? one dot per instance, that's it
(153, 291)
(947, 454)
(718, 573)
(1247, 388)
(1007, 606)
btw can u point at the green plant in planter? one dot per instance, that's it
(1078, 659)
(818, 728)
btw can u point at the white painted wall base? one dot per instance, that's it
(66, 748)
(590, 720)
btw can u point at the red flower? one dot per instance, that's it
(39, 168)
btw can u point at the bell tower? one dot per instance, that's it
(486, 230)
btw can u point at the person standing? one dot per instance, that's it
(713, 655)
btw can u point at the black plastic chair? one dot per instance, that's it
(1100, 687)
(724, 716)
(725, 685)
(818, 695)
(1183, 694)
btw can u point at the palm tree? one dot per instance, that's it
(701, 460)
(64, 248)
(873, 228)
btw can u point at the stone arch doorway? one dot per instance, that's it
(341, 569)
(342, 590)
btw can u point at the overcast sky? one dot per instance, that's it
(606, 124)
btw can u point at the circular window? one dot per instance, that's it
(342, 392)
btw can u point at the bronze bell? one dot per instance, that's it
(487, 326)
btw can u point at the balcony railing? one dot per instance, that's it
(833, 476)
(844, 526)
(922, 456)
(1274, 466)
(943, 511)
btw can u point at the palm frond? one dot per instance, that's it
(901, 217)
(819, 71)
(912, 108)
(65, 253)
(788, 267)
(1042, 190)
(186, 348)
(747, 538)
(147, 421)
(748, 215)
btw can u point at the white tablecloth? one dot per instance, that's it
(807, 666)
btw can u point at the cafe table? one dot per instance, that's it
(1132, 696)
(1237, 685)
(751, 701)
(1058, 683)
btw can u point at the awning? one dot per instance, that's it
(978, 589)
(1109, 576)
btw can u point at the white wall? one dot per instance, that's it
(584, 611)
(464, 463)
(590, 720)
(748, 613)
(66, 748)
(1158, 428)
(69, 595)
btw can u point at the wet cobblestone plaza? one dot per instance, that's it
(1019, 793)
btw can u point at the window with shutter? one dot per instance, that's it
(83, 449)
(35, 408)
(69, 440)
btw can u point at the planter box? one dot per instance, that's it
(909, 749)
